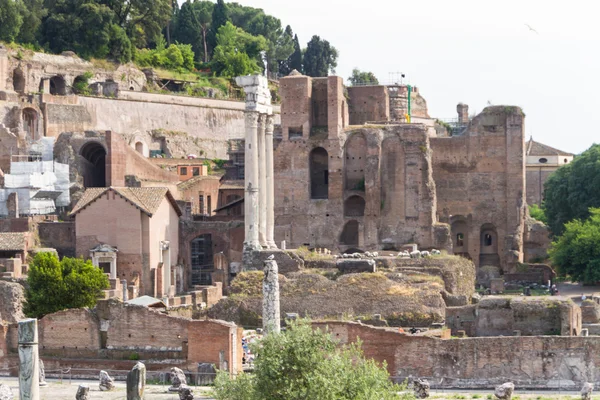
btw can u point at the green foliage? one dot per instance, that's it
(10, 19)
(175, 57)
(537, 213)
(576, 253)
(32, 12)
(220, 17)
(320, 58)
(81, 84)
(302, 363)
(55, 285)
(119, 45)
(237, 51)
(362, 78)
(573, 189)
(208, 165)
(219, 163)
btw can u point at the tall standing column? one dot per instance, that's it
(270, 189)
(262, 183)
(251, 172)
(271, 310)
(29, 368)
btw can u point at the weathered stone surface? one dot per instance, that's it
(271, 313)
(586, 391)
(12, 298)
(5, 393)
(42, 374)
(590, 312)
(504, 391)
(83, 392)
(186, 393)
(106, 382)
(421, 388)
(206, 374)
(349, 266)
(178, 379)
(29, 372)
(136, 382)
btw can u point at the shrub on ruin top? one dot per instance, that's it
(55, 285)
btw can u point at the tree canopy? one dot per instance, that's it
(362, 78)
(302, 363)
(320, 58)
(55, 285)
(576, 253)
(572, 190)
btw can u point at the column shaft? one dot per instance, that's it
(251, 172)
(262, 183)
(270, 189)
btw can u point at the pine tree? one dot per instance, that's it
(220, 17)
(296, 57)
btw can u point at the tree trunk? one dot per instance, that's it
(205, 46)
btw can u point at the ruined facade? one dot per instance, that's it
(387, 183)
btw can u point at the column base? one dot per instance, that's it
(271, 245)
(248, 255)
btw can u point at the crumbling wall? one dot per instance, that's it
(12, 297)
(536, 241)
(368, 103)
(74, 329)
(59, 236)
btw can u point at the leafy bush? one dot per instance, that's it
(537, 213)
(175, 57)
(219, 163)
(58, 285)
(302, 363)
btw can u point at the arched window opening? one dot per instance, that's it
(94, 171)
(319, 173)
(355, 162)
(460, 229)
(202, 260)
(487, 239)
(543, 160)
(488, 252)
(19, 81)
(354, 206)
(58, 86)
(460, 240)
(349, 236)
(30, 120)
(139, 147)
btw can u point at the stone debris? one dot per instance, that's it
(586, 391)
(42, 374)
(5, 392)
(106, 382)
(415, 254)
(504, 391)
(83, 392)
(178, 379)
(136, 382)
(421, 388)
(404, 254)
(185, 393)
(425, 254)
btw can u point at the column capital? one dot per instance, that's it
(251, 118)
(269, 124)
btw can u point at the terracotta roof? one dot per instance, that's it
(539, 149)
(195, 179)
(11, 241)
(147, 199)
(238, 184)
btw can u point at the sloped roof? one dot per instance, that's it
(237, 184)
(12, 241)
(538, 149)
(147, 199)
(230, 204)
(190, 182)
(146, 301)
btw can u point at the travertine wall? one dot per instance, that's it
(480, 182)
(528, 361)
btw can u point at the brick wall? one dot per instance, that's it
(59, 236)
(528, 361)
(368, 103)
(74, 329)
(214, 342)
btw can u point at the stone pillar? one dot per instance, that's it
(125, 291)
(270, 181)
(4, 69)
(271, 313)
(136, 382)
(251, 198)
(262, 182)
(29, 369)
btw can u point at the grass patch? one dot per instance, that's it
(398, 290)
(247, 284)
(104, 64)
(308, 255)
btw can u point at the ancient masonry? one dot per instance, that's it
(259, 191)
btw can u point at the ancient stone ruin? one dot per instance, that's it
(136, 382)
(106, 382)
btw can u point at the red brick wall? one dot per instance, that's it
(207, 339)
(368, 103)
(76, 329)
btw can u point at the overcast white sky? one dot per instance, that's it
(471, 51)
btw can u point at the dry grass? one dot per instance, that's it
(398, 290)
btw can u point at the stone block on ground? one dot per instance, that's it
(421, 388)
(185, 393)
(586, 391)
(206, 374)
(106, 382)
(5, 392)
(178, 379)
(504, 391)
(83, 392)
(136, 382)
(497, 285)
(351, 266)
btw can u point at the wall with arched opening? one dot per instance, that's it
(355, 161)
(58, 86)
(201, 253)
(19, 81)
(30, 123)
(80, 85)
(141, 147)
(354, 206)
(94, 166)
(319, 173)
(349, 236)
(392, 178)
(460, 235)
(488, 246)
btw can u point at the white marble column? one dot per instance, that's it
(29, 369)
(271, 309)
(251, 171)
(270, 182)
(262, 182)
